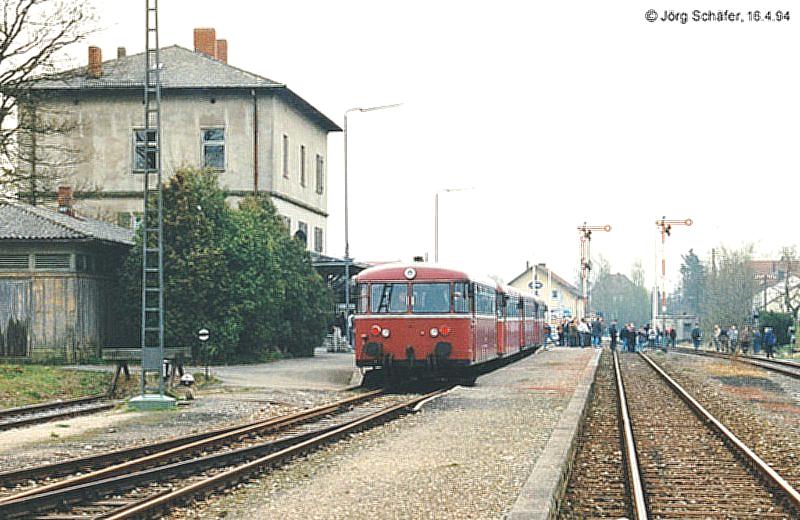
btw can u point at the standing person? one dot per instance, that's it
(612, 333)
(744, 339)
(584, 333)
(724, 339)
(756, 342)
(715, 338)
(697, 335)
(652, 338)
(350, 321)
(769, 341)
(561, 333)
(548, 336)
(733, 337)
(597, 331)
(573, 333)
(673, 336)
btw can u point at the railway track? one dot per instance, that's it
(781, 366)
(681, 462)
(151, 484)
(598, 485)
(45, 412)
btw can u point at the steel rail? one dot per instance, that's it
(765, 363)
(121, 482)
(634, 476)
(40, 407)
(171, 449)
(764, 469)
(150, 505)
(29, 417)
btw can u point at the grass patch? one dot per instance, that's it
(22, 385)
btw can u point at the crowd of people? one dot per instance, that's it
(588, 332)
(732, 340)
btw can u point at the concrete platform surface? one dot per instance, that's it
(324, 371)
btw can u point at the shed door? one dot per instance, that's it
(15, 317)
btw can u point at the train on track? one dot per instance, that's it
(419, 320)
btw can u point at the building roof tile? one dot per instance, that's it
(20, 221)
(181, 69)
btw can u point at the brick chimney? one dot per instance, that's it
(205, 41)
(222, 50)
(121, 52)
(95, 68)
(64, 200)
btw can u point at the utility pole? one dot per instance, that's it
(152, 332)
(586, 239)
(666, 230)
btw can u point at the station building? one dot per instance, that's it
(561, 297)
(259, 135)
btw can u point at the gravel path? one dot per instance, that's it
(762, 408)
(62, 440)
(466, 455)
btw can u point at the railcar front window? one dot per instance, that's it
(363, 292)
(461, 297)
(389, 297)
(430, 298)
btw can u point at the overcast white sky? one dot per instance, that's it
(554, 112)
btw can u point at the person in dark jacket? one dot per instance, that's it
(769, 341)
(696, 336)
(612, 333)
(673, 336)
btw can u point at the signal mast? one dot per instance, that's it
(586, 239)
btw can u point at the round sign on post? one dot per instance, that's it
(203, 334)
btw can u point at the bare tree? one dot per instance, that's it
(791, 287)
(729, 290)
(34, 35)
(45, 156)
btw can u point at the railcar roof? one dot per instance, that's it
(424, 271)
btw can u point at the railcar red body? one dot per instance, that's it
(418, 318)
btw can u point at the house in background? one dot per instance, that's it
(256, 133)
(562, 298)
(57, 285)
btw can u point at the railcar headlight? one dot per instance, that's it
(376, 330)
(434, 332)
(385, 333)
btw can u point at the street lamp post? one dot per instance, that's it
(347, 258)
(436, 220)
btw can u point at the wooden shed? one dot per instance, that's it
(57, 282)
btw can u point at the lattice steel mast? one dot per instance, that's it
(152, 221)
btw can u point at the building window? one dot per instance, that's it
(52, 261)
(142, 157)
(214, 148)
(302, 165)
(318, 243)
(286, 156)
(287, 222)
(320, 174)
(14, 262)
(302, 232)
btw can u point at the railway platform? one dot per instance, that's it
(478, 452)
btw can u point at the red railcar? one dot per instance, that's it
(419, 318)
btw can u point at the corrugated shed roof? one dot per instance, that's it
(25, 222)
(181, 69)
